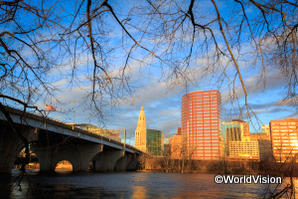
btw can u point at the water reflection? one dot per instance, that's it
(128, 185)
(139, 192)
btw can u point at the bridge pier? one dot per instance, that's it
(78, 154)
(106, 160)
(11, 145)
(133, 162)
(127, 163)
(121, 164)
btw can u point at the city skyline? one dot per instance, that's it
(158, 117)
(125, 116)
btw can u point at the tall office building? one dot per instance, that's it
(155, 142)
(284, 137)
(263, 138)
(140, 133)
(238, 141)
(200, 124)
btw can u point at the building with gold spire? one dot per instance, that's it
(140, 133)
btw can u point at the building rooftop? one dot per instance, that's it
(200, 91)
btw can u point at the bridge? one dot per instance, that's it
(53, 141)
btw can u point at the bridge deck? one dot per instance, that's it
(45, 123)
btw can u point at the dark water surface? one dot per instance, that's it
(126, 185)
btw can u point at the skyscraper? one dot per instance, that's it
(238, 143)
(155, 142)
(264, 140)
(284, 137)
(140, 133)
(200, 124)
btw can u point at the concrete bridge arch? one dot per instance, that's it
(78, 154)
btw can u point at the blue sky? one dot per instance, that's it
(149, 79)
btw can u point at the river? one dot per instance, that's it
(136, 185)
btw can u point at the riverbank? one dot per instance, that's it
(222, 173)
(219, 167)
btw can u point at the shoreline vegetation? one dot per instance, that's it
(243, 167)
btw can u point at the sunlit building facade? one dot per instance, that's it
(264, 135)
(200, 124)
(266, 130)
(140, 132)
(238, 143)
(114, 134)
(176, 150)
(284, 138)
(263, 138)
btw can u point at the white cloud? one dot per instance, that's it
(255, 84)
